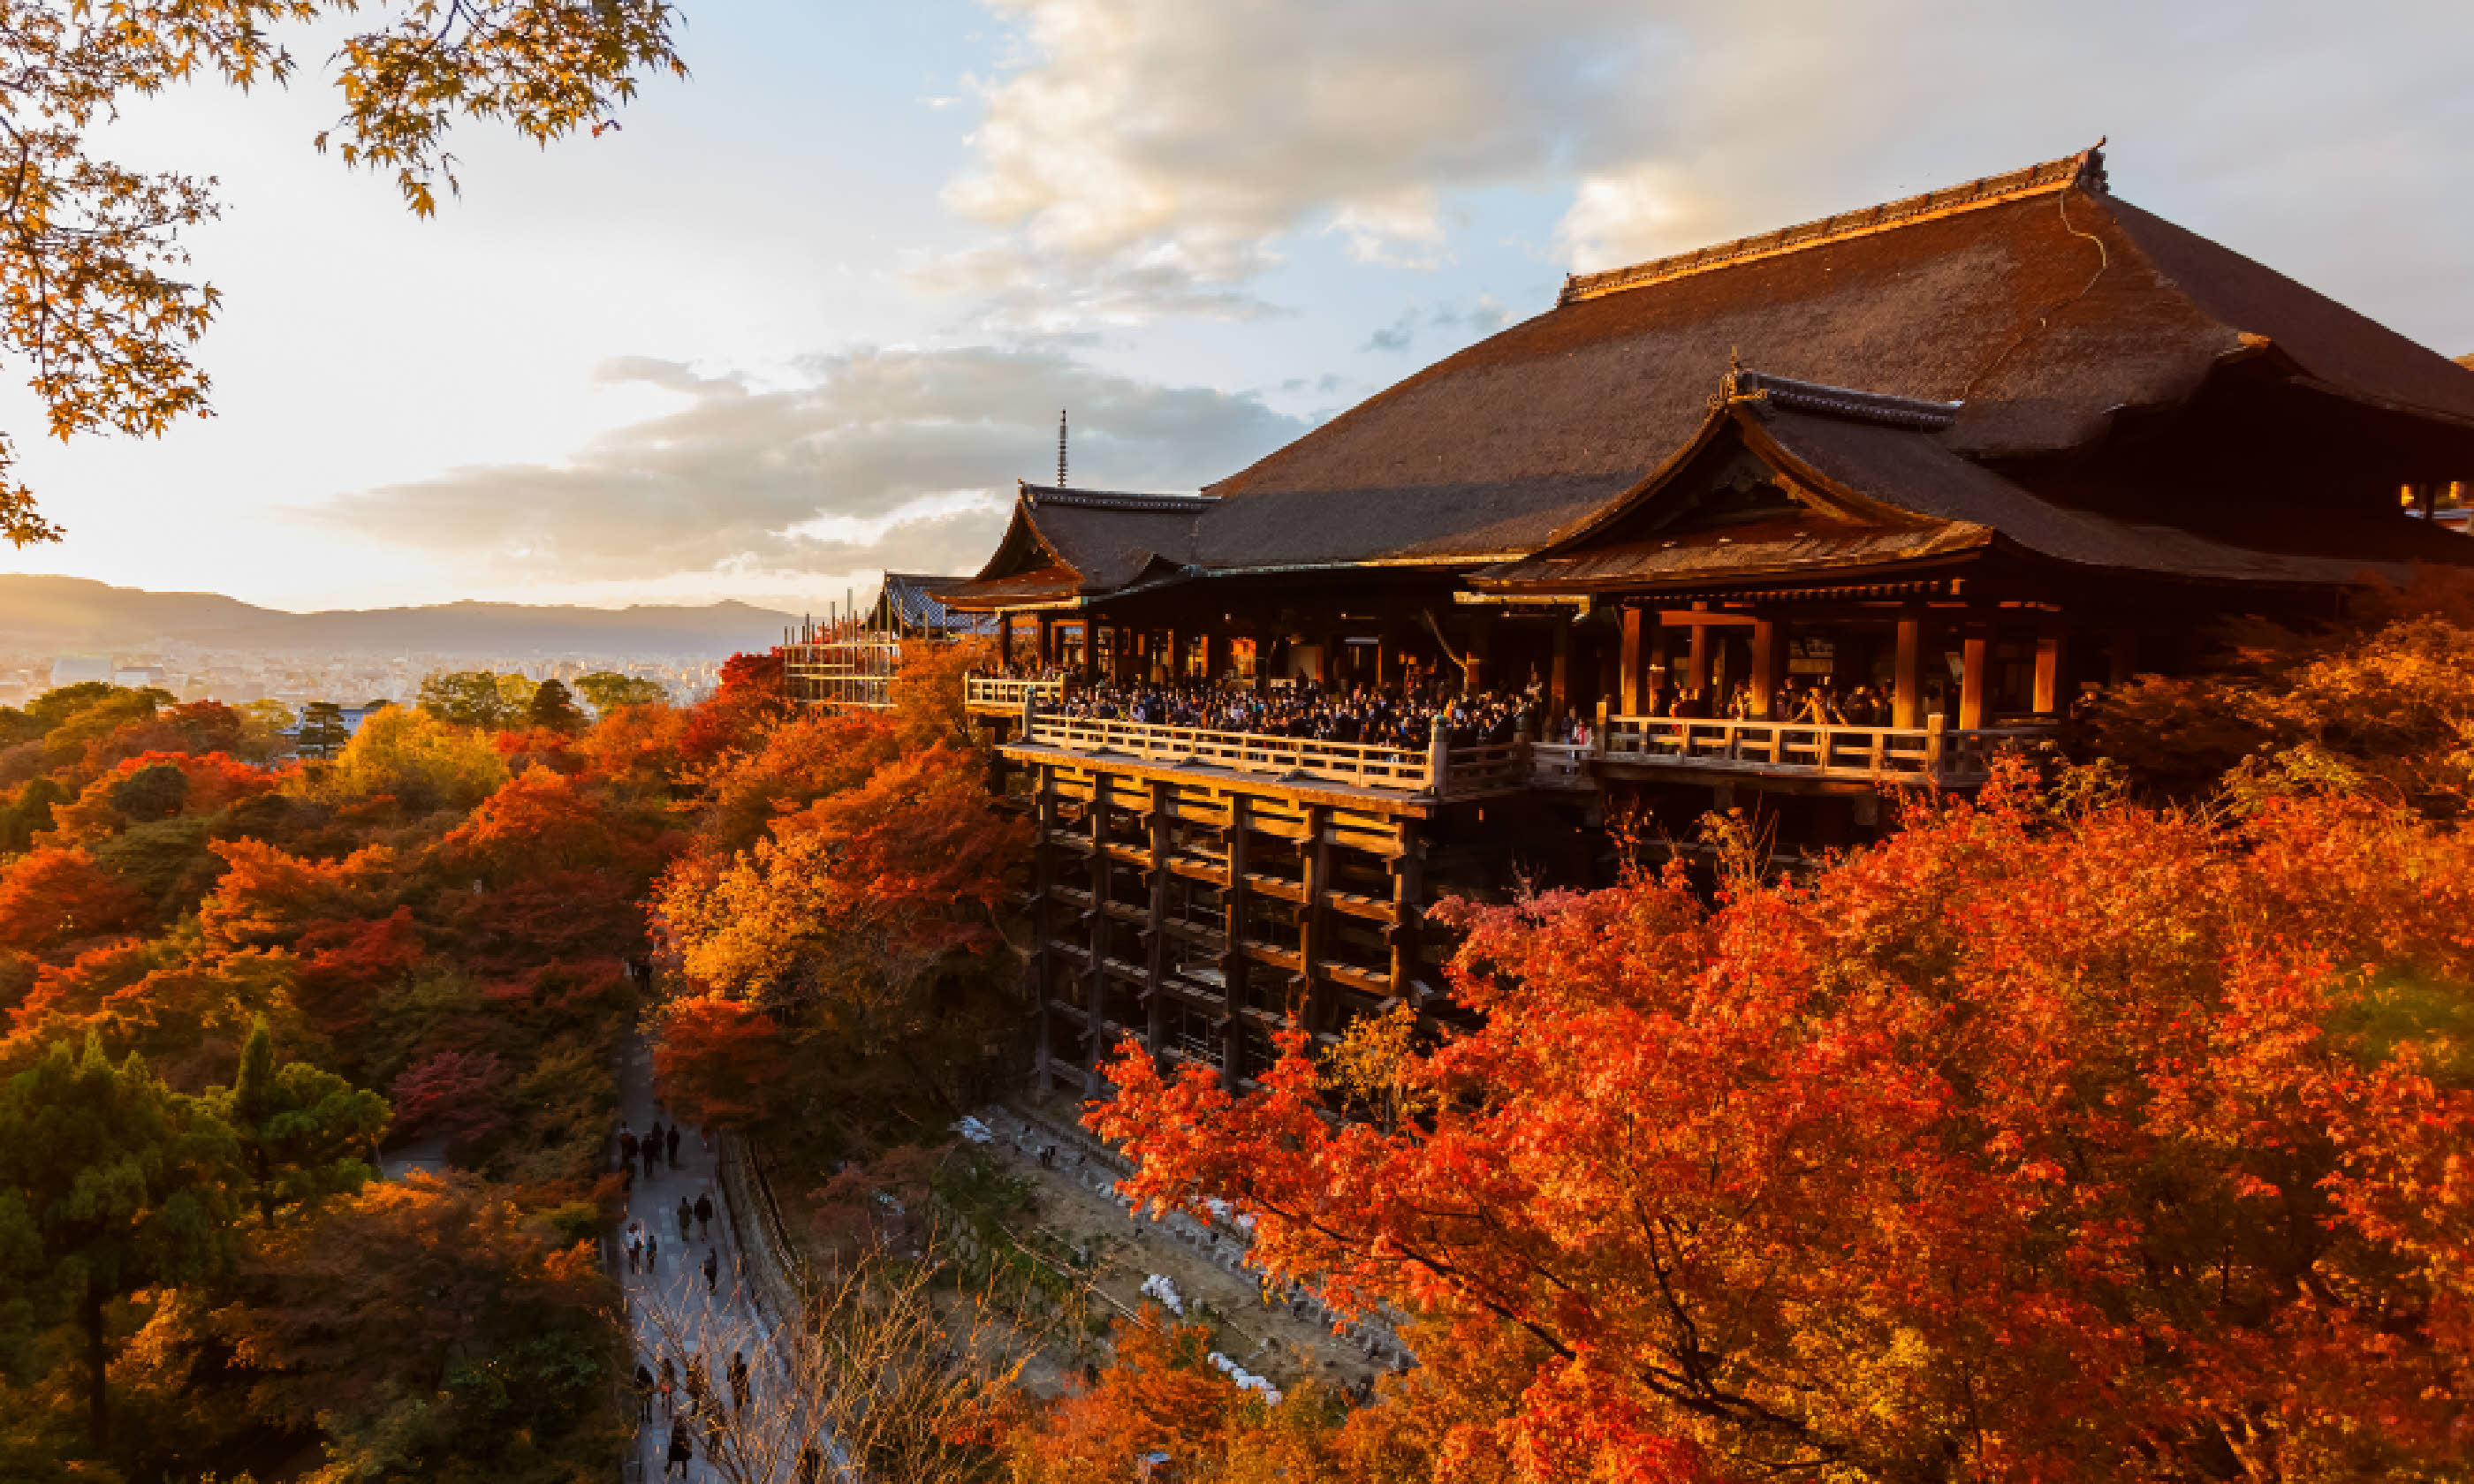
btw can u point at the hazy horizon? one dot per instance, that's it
(810, 314)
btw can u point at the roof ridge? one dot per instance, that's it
(1110, 499)
(2086, 167)
(1913, 413)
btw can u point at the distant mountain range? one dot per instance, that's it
(74, 613)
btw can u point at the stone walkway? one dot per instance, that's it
(673, 1307)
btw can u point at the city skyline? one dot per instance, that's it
(810, 313)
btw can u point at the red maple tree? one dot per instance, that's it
(2043, 1141)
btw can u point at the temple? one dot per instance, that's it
(1767, 525)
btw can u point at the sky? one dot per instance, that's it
(811, 313)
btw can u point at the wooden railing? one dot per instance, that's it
(1240, 751)
(1930, 754)
(1927, 755)
(1005, 693)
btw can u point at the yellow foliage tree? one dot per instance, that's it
(422, 762)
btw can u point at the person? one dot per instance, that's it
(670, 1386)
(687, 1214)
(812, 1465)
(711, 1271)
(739, 1380)
(653, 1142)
(704, 1216)
(635, 1248)
(627, 1145)
(696, 1379)
(652, 1250)
(712, 1435)
(643, 1393)
(681, 1450)
(671, 1143)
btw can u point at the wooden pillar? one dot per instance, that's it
(1090, 665)
(1155, 944)
(1481, 640)
(1043, 874)
(1047, 636)
(1314, 922)
(1169, 669)
(1975, 657)
(1559, 680)
(1407, 881)
(2052, 658)
(1215, 657)
(1697, 670)
(1095, 981)
(1907, 674)
(1769, 659)
(1005, 638)
(1633, 702)
(1233, 963)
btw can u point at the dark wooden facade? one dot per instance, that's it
(1978, 452)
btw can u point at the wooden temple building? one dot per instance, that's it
(1976, 451)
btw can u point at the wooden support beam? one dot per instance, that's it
(1559, 676)
(1005, 638)
(1702, 618)
(2052, 656)
(2123, 661)
(1697, 673)
(1631, 662)
(1216, 660)
(1095, 974)
(1043, 876)
(1769, 660)
(1976, 661)
(1233, 964)
(1155, 944)
(1046, 634)
(1907, 673)
(1314, 922)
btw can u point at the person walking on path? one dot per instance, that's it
(652, 1253)
(670, 1386)
(653, 1143)
(627, 1145)
(695, 1382)
(670, 1145)
(682, 1452)
(686, 1215)
(704, 1216)
(712, 1272)
(713, 1436)
(643, 1393)
(739, 1380)
(635, 1247)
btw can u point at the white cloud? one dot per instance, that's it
(1148, 156)
(872, 459)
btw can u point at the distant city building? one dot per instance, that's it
(78, 669)
(136, 677)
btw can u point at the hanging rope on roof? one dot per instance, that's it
(1444, 644)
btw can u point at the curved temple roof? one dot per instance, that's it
(2036, 306)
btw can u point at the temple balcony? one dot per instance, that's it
(997, 695)
(1626, 748)
(1934, 755)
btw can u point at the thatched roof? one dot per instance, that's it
(2044, 305)
(1879, 487)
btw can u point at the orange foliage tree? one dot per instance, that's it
(2054, 1141)
(56, 898)
(721, 1060)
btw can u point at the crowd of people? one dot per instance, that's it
(1404, 716)
(1394, 716)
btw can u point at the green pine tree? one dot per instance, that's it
(301, 1131)
(110, 1182)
